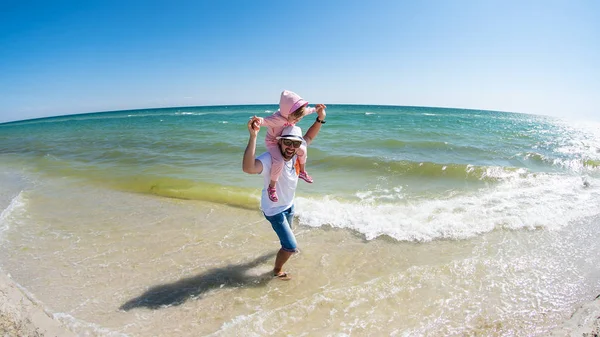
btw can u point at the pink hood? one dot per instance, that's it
(290, 102)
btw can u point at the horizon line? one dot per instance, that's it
(77, 114)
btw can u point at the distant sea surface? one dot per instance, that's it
(480, 199)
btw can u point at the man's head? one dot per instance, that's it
(289, 141)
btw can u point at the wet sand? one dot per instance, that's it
(584, 322)
(23, 315)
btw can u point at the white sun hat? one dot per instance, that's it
(292, 132)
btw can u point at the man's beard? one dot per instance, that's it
(285, 155)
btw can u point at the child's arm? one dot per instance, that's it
(309, 111)
(271, 121)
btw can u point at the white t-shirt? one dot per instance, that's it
(285, 186)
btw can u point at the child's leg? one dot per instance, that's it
(276, 163)
(302, 155)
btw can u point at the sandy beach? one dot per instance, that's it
(22, 315)
(584, 322)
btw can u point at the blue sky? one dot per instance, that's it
(64, 57)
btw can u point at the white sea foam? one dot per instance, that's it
(16, 204)
(242, 320)
(540, 201)
(389, 194)
(575, 165)
(83, 328)
(187, 113)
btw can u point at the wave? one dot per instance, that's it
(542, 202)
(17, 203)
(533, 157)
(521, 164)
(575, 165)
(419, 169)
(172, 175)
(189, 113)
(84, 328)
(518, 200)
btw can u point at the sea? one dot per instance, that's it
(421, 221)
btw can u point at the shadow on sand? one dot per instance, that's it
(193, 287)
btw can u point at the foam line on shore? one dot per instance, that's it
(23, 315)
(585, 321)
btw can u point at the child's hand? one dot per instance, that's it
(321, 111)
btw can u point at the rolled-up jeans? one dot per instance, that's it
(282, 225)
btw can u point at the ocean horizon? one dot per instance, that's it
(267, 106)
(421, 221)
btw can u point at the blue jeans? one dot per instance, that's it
(282, 225)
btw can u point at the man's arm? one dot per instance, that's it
(250, 164)
(313, 131)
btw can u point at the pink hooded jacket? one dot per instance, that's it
(288, 103)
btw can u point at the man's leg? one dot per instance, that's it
(282, 226)
(280, 260)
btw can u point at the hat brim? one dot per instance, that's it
(291, 137)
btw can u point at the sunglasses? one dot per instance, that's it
(288, 142)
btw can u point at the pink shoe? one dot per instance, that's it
(304, 176)
(272, 194)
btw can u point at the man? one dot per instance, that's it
(281, 213)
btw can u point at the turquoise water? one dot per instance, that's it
(367, 161)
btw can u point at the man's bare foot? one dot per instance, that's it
(282, 276)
